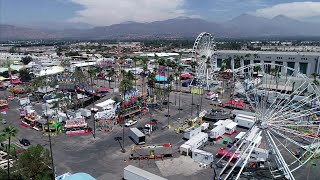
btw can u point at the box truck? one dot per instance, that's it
(136, 136)
(245, 121)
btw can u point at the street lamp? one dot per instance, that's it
(119, 138)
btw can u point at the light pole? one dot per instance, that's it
(93, 104)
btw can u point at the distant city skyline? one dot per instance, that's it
(107, 12)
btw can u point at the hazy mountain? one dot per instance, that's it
(15, 32)
(244, 25)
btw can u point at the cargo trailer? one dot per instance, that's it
(136, 136)
(244, 121)
(194, 143)
(191, 132)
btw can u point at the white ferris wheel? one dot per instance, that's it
(203, 54)
(286, 103)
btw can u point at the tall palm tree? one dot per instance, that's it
(180, 69)
(9, 132)
(125, 85)
(145, 62)
(92, 72)
(110, 74)
(176, 75)
(135, 60)
(151, 81)
(170, 79)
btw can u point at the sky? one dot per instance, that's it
(107, 12)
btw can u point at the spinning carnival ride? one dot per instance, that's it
(286, 104)
(203, 54)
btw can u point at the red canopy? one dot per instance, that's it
(236, 103)
(103, 89)
(187, 75)
(16, 81)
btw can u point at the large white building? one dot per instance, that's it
(305, 62)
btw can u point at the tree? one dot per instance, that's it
(110, 74)
(35, 163)
(227, 63)
(125, 85)
(26, 60)
(92, 72)
(257, 69)
(79, 75)
(24, 75)
(135, 60)
(13, 49)
(9, 132)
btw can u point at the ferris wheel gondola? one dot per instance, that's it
(285, 102)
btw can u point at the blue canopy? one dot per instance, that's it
(161, 78)
(80, 176)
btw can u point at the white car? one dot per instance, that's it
(131, 123)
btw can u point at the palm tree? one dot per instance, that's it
(227, 63)
(125, 85)
(176, 75)
(9, 132)
(79, 75)
(110, 74)
(257, 69)
(151, 81)
(92, 72)
(237, 60)
(144, 61)
(135, 60)
(170, 79)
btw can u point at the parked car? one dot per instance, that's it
(186, 83)
(25, 142)
(131, 123)
(4, 121)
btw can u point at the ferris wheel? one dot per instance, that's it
(286, 104)
(203, 54)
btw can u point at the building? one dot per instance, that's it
(201, 156)
(305, 62)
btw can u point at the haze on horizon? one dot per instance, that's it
(88, 13)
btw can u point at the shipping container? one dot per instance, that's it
(136, 136)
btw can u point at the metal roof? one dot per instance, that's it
(271, 52)
(142, 173)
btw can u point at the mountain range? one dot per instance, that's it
(243, 26)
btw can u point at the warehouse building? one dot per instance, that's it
(305, 62)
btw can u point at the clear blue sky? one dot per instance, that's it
(105, 12)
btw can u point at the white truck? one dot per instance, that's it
(192, 131)
(137, 136)
(204, 126)
(133, 173)
(85, 112)
(194, 143)
(245, 120)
